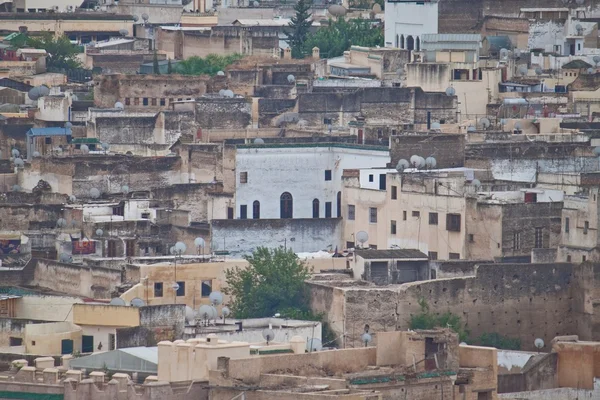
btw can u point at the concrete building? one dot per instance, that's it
(408, 20)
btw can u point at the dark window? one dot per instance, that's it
(162, 102)
(471, 237)
(112, 248)
(136, 101)
(586, 226)
(530, 197)
(256, 209)
(371, 178)
(566, 224)
(286, 203)
(327, 209)
(229, 212)
(338, 208)
(243, 177)
(404, 215)
(130, 248)
(583, 258)
(243, 211)
(382, 181)
(433, 218)
(568, 258)
(351, 212)
(48, 140)
(393, 227)
(158, 289)
(433, 255)
(316, 208)
(145, 101)
(539, 238)
(119, 210)
(516, 240)
(327, 174)
(181, 289)
(112, 341)
(127, 101)
(394, 192)
(206, 288)
(145, 215)
(15, 341)
(454, 256)
(373, 215)
(453, 222)
(416, 214)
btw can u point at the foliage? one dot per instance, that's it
(336, 38)
(272, 283)
(61, 52)
(366, 4)
(155, 67)
(428, 320)
(499, 341)
(299, 28)
(209, 65)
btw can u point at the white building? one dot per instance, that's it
(297, 180)
(407, 20)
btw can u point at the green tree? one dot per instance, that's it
(299, 28)
(499, 341)
(428, 320)
(209, 65)
(272, 283)
(155, 67)
(336, 38)
(61, 52)
(169, 67)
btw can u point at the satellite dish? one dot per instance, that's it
(123, 32)
(430, 162)
(538, 343)
(523, 70)
(15, 153)
(228, 93)
(172, 250)
(597, 150)
(117, 301)
(268, 335)
(119, 105)
(225, 311)
(105, 146)
(68, 125)
(180, 247)
(99, 232)
(125, 189)
(436, 126)
(591, 71)
(291, 78)
(61, 222)
(145, 17)
(255, 3)
(136, 18)
(596, 59)
(402, 165)
(259, 141)
(72, 198)
(84, 148)
(579, 27)
(539, 71)
(206, 312)
(222, 92)
(337, 10)
(476, 183)
(16, 188)
(450, 91)
(216, 298)
(137, 302)
(503, 53)
(220, 73)
(36, 154)
(199, 242)
(190, 314)
(518, 126)
(33, 94)
(366, 338)
(19, 162)
(74, 97)
(417, 161)
(471, 129)
(485, 122)
(94, 193)
(314, 344)
(66, 258)
(362, 237)
(175, 286)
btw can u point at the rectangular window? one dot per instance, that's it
(393, 227)
(162, 102)
(127, 101)
(394, 192)
(229, 212)
(586, 227)
(136, 101)
(327, 174)
(206, 288)
(568, 258)
(158, 289)
(130, 248)
(351, 212)
(471, 238)
(403, 215)
(433, 218)
(48, 140)
(416, 214)
(112, 341)
(453, 222)
(583, 258)
(256, 210)
(15, 341)
(243, 211)
(243, 177)
(327, 209)
(145, 215)
(181, 289)
(454, 256)
(145, 101)
(371, 178)
(433, 255)
(154, 101)
(516, 240)
(539, 238)
(372, 215)
(567, 224)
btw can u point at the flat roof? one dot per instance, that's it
(370, 254)
(311, 145)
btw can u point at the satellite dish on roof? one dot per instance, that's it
(68, 125)
(19, 163)
(362, 237)
(518, 125)
(591, 71)
(366, 338)
(417, 161)
(259, 141)
(538, 343)
(190, 314)
(199, 242)
(105, 146)
(72, 198)
(137, 302)
(222, 92)
(61, 222)
(36, 154)
(84, 148)
(402, 165)
(503, 53)
(597, 150)
(314, 344)
(430, 162)
(216, 298)
(123, 32)
(117, 301)
(596, 59)
(125, 189)
(291, 78)
(16, 188)
(485, 122)
(228, 93)
(471, 129)
(136, 18)
(523, 70)
(94, 193)
(145, 17)
(337, 10)
(66, 258)
(206, 312)
(376, 8)
(450, 91)
(15, 153)
(99, 232)
(225, 311)
(119, 105)
(180, 247)
(476, 183)
(220, 73)
(268, 335)
(255, 3)
(539, 71)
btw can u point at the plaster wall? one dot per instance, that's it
(47, 308)
(409, 18)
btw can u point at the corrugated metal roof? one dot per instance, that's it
(449, 41)
(52, 131)
(149, 354)
(391, 254)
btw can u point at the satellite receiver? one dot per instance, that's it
(125, 189)
(216, 298)
(362, 237)
(476, 183)
(430, 162)
(15, 153)
(402, 165)
(314, 344)
(199, 242)
(366, 338)
(539, 71)
(36, 154)
(117, 301)
(16, 188)
(175, 286)
(523, 70)
(220, 73)
(268, 335)
(94, 193)
(99, 232)
(137, 302)
(19, 163)
(596, 59)
(190, 314)
(485, 123)
(597, 151)
(61, 222)
(450, 91)
(66, 258)
(84, 149)
(105, 147)
(180, 247)
(291, 78)
(206, 313)
(538, 343)
(471, 129)
(225, 311)
(72, 198)
(259, 141)
(337, 10)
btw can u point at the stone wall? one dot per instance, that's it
(157, 323)
(448, 150)
(221, 112)
(13, 328)
(197, 198)
(22, 217)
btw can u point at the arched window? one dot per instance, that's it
(418, 46)
(316, 207)
(410, 43)
(397, 40)
(339, 205)
(256, 209)
(401, 41)
(286, 203)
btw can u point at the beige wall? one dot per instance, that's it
(46, 308)
(46, 339)
(59, 26)
(106, 315)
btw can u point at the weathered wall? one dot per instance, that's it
(222, 112)
(200, 199)
(157, 323)
(448, 150)
(46, 308)
(13, 328)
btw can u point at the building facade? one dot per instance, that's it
(407, 20)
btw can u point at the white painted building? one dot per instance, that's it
(407, 20)
(297, 180)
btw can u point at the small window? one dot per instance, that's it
(243, 211)
(206, 288)
(33, 342)
(394, 192)
(243, 177)
(568, 258)
(154, 101)
(454, 256)
(539, 238)
(453, 222)
(471, 238)
(517, 241)
(371, 178)
(48, 140)
(171, 100)
(256, 209)
(403, 215)
(351, 212)
(163, 102)
(393, 227)
(136, 101)
(586, 227)
(416, 214)
(567, 224)
(127, 101)
(372, 215)
(15, 341)
(316, 207)
(145, 101)
(158, 289)
(433, 255)
(229, 212)
(327, 209)
(583, 258)
(433, 218)
(181, 289)
(146, 215)
(327, 174)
